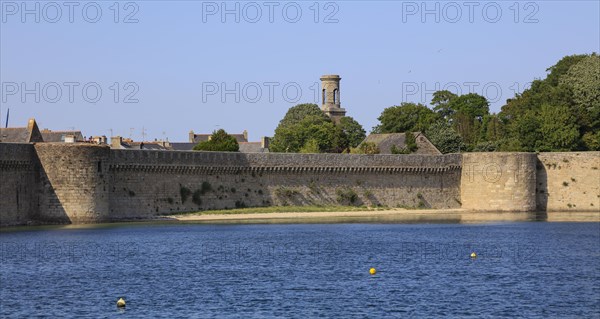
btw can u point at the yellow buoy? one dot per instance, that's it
(473, 255)
(372, 271)
(121, 302)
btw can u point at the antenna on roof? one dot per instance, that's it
(7, 114)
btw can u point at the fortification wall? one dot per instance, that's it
(498, 181)
(18, 184)
(74, 182)
(81, 183)
(568, 181)
(147, 183)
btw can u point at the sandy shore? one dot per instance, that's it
(392, 215)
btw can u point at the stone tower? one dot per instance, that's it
(330, 85)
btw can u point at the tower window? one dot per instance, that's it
(336, 97)
(324, 97)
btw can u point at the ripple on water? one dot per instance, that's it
(522, 270)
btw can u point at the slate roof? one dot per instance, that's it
(59, 136)
(143, 146)
(385, 142)
(28, 134)
(182, 146)
(252, 147)
(14, 135)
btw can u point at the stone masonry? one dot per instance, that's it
(83, 183)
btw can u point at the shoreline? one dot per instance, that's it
(384, 216)
(390, 216)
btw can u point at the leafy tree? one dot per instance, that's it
(306, 122)
(408, 117)
(441, 103)
(311, 146)
(467, 127)
(541, 92)
(473, 105)
(591, 140)
(219, 141)
(485, 146)
(354, 132)
(525, 134)
(297, 113)
(583, 79)
(444, 137)
(365, 148)
(546, 116)
(410, 145)
(562, 67)
(410, 142)
(558, 128)
(492, 128)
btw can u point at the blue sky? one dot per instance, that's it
(172, 60)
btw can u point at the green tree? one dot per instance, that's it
(297, 113)
(525, 134)
(562, 67)
(354, 132)
(473, 105)
(583, 79)
(441, 103)
(306, 122)
(558, 128)
(311, 146)
(410, 145)
(444, 137)
(572, 88)
(365, 148)
(219, 141)
(408, 117)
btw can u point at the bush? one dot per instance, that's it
(346, 196)
(285, 192)
(196, 198)
(365, 148)
(240, 204)
(205, 188)
(219, 141)
(185, 193)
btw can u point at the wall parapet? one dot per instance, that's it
(285, 160)
(195, 169)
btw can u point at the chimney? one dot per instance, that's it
(264, 142)
(30, 124)
(245, 135)
(115, 142)
(192, 135)
(69, 138)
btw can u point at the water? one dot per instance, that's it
(527, 269)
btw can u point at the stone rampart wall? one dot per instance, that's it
(156, 182)
(568, 181)
(18, 184)
(82, 183)
(498, 181)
